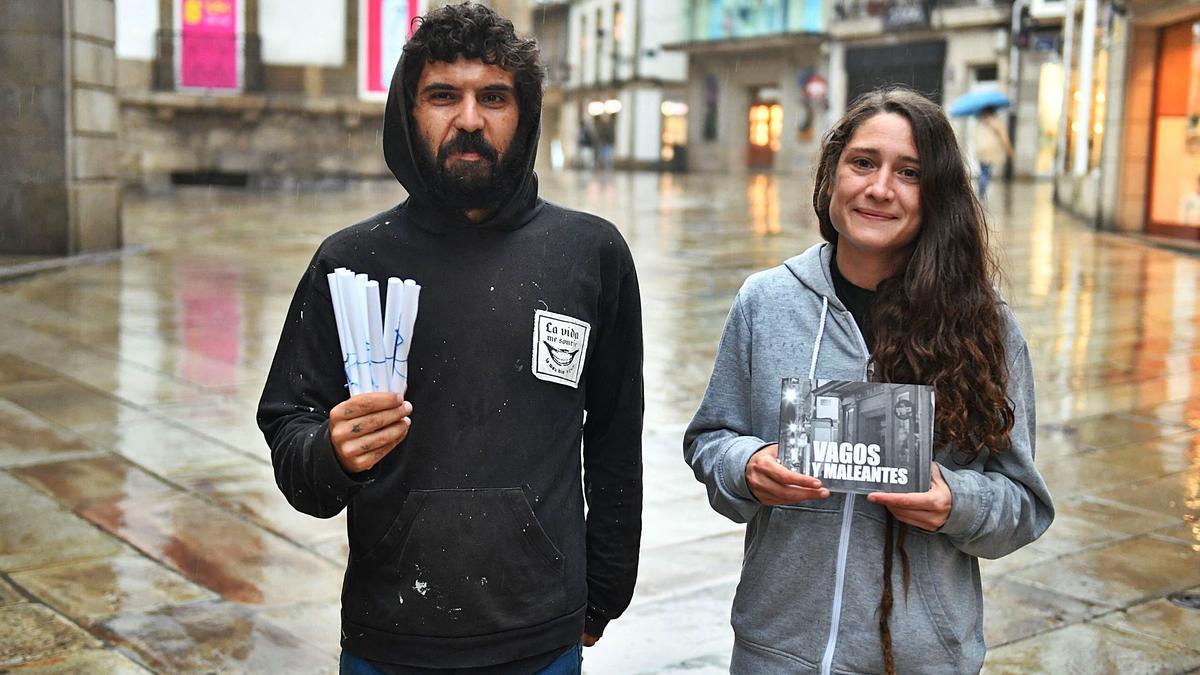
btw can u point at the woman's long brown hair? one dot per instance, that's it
(938, 321)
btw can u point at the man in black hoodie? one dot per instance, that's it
(469, 549)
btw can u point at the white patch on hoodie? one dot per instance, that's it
(559, 347)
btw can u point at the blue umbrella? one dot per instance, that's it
(975, 101)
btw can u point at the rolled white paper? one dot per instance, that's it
(379, 371)
(391, 324)
(356, 317)
(348, 367)
(364, 327)
(408, 318)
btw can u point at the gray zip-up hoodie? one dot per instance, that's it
(813, 572)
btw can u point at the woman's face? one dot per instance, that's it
(876, 202)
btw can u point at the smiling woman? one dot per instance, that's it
(902, 292)
(876, 203)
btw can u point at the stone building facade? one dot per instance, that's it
(59, 191)
(299, 113)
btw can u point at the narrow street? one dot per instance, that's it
(140, 525)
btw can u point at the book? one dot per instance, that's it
(858, 436)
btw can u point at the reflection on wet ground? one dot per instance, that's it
(141, 527)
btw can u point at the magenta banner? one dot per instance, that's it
(208, 52)
(383, 28)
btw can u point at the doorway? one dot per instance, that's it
(766, 129)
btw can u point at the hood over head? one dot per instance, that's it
(400, 135)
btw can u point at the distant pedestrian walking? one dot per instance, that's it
(586, 142)
(992, 148)
(606, 135)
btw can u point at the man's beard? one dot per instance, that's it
(485, 183)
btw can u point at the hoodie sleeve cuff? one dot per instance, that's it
(594, 622)
(733, 465)
(968, 504)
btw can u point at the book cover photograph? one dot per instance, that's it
(857, 436)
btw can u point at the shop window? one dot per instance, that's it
(674, 131)
(766, 134)
(1050, 111)
(766, 125)
(1093, 135)
(985, 74)
(1175, 173)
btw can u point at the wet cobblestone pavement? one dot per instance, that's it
(140, 527)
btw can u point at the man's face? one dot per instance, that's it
(466, 114)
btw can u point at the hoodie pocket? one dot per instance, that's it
(950, 592)
(457, 563)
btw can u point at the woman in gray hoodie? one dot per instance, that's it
(902, 291)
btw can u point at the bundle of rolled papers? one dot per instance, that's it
(374, 344)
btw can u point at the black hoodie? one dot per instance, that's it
(468, 545)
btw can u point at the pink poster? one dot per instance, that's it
(384, 27)
(208, 48)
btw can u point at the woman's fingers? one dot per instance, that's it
(773, 484)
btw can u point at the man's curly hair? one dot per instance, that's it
(474, 31)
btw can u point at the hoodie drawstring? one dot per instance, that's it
(812, 368)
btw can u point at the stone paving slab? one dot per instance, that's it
(226, 422)
(248, 489)
(208, 544)
(16, 370)
(680, 568)
(1176, 494)
(26, 438)
(1098, 471)
(1160, 619)
(92, 590)
(35, 531)
(134, 384)
(32, 632)
(1110, 430)
(214, 637)
(1090, 648)
(1119, 575)
(696, 623)
(1080, 523)
(1180, 412)
(168, 450)
(104, 661)
(98, 480)
(1188, 533)
(9, 595)
(71, 405)
(683, 519)
(317, 623)
(1014, 611)
(219, 551)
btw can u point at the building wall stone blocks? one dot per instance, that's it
(94, 18)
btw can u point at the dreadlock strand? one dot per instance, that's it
(885, 602)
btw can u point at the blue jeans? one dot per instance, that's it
(985, 177)
(570, 662)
